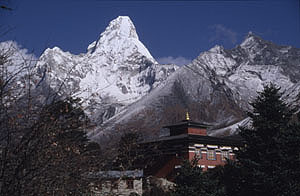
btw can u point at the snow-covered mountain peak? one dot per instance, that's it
(122, 26)
(119, 40)
(116, 71)
(54, 50)
(256, 49)
(217, 49)
(252, 41)
(215, 61)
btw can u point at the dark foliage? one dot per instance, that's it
(127, 153)
(51, 155)
(192, 181)
(268, 164)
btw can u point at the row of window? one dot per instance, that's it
(211, 154)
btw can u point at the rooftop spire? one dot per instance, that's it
(187, 116)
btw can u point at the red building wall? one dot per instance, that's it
(197, 131)
(168, 166)
(204, 161)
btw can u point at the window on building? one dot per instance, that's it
(198, 154)
(129, 183)
(211, 154)
(225, 155)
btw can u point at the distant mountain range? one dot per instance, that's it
(123, 86)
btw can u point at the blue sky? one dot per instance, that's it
(172, 30)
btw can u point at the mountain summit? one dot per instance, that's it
(250, 40)
(122, 26)
(117, 70)
(119, 40)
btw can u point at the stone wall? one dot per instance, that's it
(119, 187)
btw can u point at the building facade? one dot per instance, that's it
(189, 140)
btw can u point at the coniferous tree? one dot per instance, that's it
(268, 161)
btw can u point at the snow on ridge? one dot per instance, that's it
(230, 130)
(121, 26)
(17, 53)
(217, 49)
(215, 61)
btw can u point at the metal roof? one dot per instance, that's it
(113, 174)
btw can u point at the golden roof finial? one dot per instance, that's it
(187, 116)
